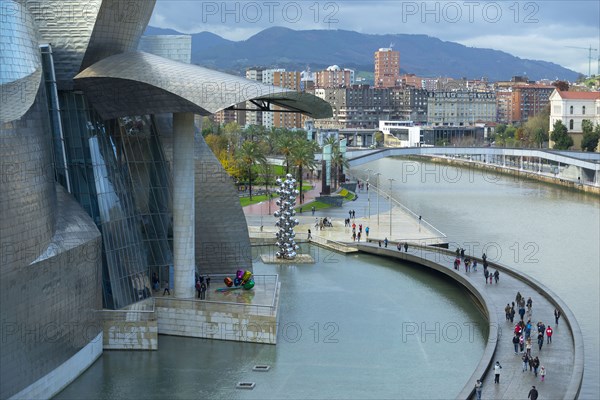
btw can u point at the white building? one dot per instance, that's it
(401, 133)
(573, 107)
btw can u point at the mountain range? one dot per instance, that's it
(423, 55)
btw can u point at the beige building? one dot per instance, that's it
(460, 108)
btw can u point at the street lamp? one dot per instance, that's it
(368, 171)
(377, 186)
(391, 180)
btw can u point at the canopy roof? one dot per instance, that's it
(136, 83)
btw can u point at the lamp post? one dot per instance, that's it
(368, 171)
(377, 193)
(391, 180)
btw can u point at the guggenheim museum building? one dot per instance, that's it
(104, 180)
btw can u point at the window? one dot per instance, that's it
(571, 110)
(571, 123)
(583, 110)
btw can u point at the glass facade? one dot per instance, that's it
(119, 175)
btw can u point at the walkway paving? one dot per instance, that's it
(563, 358)
(405, 226)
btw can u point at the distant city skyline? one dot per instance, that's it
(538, 30)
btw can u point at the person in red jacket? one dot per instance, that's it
(549, 334)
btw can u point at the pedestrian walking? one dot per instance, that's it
(542, 373)
(512, 313)
(406, 247)
(484, 257)
(518, 297)
(497, 369)
(478, 388)
(522, 312)
(202, 291)
(496, 276)
(536, 365)
(515, 341)
(522, 343)
(507, 311)
(491, 276)
(549, 332)
(367, 232)
(540, 341)
(208, 281)
(533, 393)
(529, 303)
(474, 265)
(525, 359)
(556, 316)
(198, 288)
(167, 290)
(528, 347)
(309, 235)
(312, 210)
(486, 274)
(385, 241)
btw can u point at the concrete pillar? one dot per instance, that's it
(521, 162)
(183, 205)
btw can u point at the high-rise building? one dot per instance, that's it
(387, 68)
(280, 118)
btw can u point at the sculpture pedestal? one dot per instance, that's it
(299, 259)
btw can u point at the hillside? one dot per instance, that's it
(419, 54)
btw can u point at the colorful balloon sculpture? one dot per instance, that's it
(243, 280)
(286, 223)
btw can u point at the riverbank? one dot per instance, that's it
(511, 171)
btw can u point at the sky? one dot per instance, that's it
(539, 30)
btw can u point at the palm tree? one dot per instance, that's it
(303, 156)
(338, 163)
(250, 154)
(285, 143)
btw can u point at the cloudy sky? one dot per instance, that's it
(540, 30)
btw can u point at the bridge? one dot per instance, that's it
(551, 165)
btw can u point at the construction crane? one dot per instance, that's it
(589, 49)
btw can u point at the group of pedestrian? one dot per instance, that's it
(352, 214)
(322, 223)
(202, 285)
(357, 235)
(399, 247)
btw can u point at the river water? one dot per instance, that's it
(350, 327)
(548, 232)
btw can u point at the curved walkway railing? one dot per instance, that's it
(440, 259)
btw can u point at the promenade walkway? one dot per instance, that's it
(563, 358)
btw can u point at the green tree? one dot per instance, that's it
(539, 137)
(591, 136)
(560, 136)
(250, 154)
(302, 156)
(285, 144)
(378, 137)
